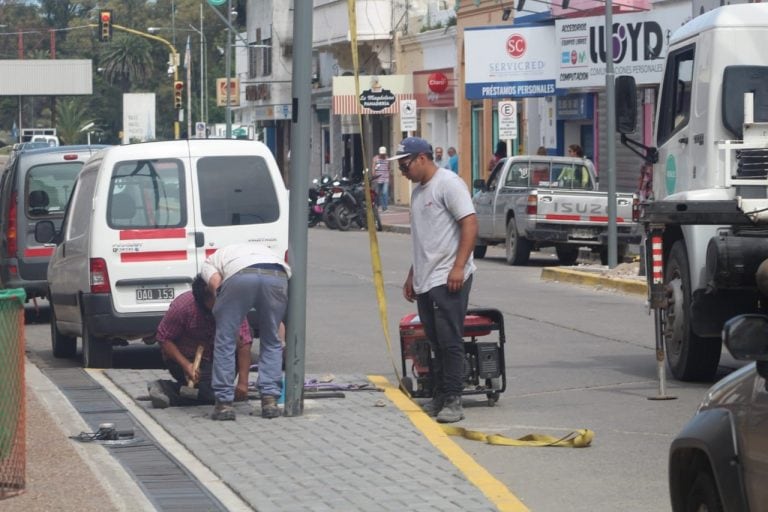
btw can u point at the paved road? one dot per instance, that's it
(575, 358)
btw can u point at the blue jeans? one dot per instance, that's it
(382, 191)
(442, 315)
(268, 295)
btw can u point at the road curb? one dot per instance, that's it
(590, 279)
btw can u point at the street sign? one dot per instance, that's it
(507, 120)
(408, 116)
(200, 131)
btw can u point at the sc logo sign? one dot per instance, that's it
(516, 46)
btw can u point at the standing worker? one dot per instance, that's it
(439, 158)
(453, 160)
(381, 172)
(444, 228)
(187, 324)
(245, 276)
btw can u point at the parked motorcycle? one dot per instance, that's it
(318, 198)
(351, 208)
(335, 189)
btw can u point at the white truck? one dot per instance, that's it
(47, 135)
(534, 201)
(707, 224)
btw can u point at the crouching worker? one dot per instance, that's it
(245, 276)
(189, 322)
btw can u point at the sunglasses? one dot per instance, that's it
(404, 166)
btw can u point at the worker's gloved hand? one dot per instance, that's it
(241, 392)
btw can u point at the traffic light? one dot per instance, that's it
(105, 26)
(178, 89)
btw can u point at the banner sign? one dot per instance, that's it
(640, 43)
(378, 94)
(510, 62)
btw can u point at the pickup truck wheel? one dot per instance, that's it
(703, 494)
(621, 251)
(690, 357)
(567, 254)
(518, 247)
(62, 346)
(97, 352)
(480, 251)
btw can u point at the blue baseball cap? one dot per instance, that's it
(411, 146)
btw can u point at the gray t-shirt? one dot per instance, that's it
(436, 208)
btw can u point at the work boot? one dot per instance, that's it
(269, 408)
(157, 395)
(451, 411)
(433, 407)
(223, 411)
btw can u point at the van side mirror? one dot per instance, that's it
(45, 232)
(626, 104)
(479, 184)
(746, 337)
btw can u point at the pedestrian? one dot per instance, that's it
(444, 228)
(541, 151)
(381, 173)
(439, 158)
(501, 152)
(244, 276)
(574, 177)
(453, 160)
(188, 323)
(575, 150)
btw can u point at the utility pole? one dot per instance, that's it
(610, 136)
(228, 70)
(296, 327)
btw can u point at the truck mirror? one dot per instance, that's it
(626, 104)
(746, 337)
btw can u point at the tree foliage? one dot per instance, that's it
(130, 63)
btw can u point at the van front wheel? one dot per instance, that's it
(62, 346)
(97, 351)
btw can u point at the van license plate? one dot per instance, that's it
(154, 294)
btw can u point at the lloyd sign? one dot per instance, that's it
(639, 45)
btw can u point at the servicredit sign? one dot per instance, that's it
(510, 62)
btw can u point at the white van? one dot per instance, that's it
(141, 221)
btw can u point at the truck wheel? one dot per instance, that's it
(97, 352)
(518, 247)
(480, 251)
(703, 494)
(690, 357)
(62, 346)
(567, 254)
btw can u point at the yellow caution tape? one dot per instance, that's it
(581, 438)
(378, 278)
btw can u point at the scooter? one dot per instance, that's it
(352, 208)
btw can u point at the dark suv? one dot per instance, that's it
(719, 462)
(35, 185)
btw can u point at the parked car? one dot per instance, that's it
(719, 461)
(532, 201)
(34, 187)
(142, 220)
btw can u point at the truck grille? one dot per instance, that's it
(752, 163)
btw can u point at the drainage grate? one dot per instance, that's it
(167, 484)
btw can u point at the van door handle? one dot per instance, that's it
(199, 239)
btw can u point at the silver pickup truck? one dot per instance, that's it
(529, 202)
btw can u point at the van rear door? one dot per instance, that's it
(148, 240)
(240, 196)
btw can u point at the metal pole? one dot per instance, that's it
(188, 59)
(297, 236)
(202, 65)
(228, 70)
(610, 136)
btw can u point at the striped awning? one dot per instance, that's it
(349, 104)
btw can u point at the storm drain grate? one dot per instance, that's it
(167, 484)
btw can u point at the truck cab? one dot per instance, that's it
(710, 179)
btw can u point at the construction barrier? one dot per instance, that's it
(13, 452)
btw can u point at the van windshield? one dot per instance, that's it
(48, 188)
(147, 194)
(236, 190)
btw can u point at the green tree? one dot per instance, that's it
(127, 61)
(72, 115)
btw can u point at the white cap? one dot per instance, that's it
(383, 150)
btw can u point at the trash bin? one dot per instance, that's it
(12, 410)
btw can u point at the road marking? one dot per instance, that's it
(207, 478)
(493, 489)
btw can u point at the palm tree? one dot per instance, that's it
(127, 61)
(71, 117)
